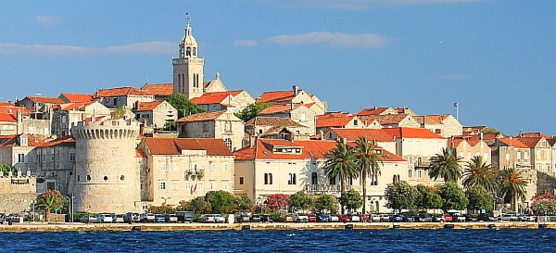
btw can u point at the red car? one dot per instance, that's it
(344, 218)
(312, 218)
(447, 217)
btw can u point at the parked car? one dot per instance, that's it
(256, 218)
(159, 218)
(437, 218)
(396, 218)
(311, 218)
(219, 218)
(14, 217)
(333, 218)
(243, 216)
(105, 218)
(510, 217)
(300, 217)
(424, 217)
(380, 217)
(289, 218)
(322, 217)
(88, 218)
(486, 217)
(447, 217)
(207, 218)
(185, 216)
(344, 218)
(2, 218)
(147, 217)
(131, 217)
(118, 219)
(171, 218)
(266, 218)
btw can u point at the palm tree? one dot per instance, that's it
(512, 186)
(367, 160)
(50, 200)
(478, 172)
(445, 165)
(340, 164)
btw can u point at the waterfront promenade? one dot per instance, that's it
(81, 227)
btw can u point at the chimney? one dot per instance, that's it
(295, 89)
(252, 140)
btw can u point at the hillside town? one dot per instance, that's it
(127, 149)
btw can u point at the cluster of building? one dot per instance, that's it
(72, 144)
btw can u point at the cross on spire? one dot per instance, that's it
(188, 18)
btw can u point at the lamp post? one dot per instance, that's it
(165, 199)
(33, 214)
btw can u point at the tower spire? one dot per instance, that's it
(188, 18)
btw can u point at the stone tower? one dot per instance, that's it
(188, 69)
(106, 178)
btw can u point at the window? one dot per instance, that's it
(332, 181)
(228, 126)
(314, 178)
(409, 173)
(88, 177)
(240, 180)
(21, 158)
(52, 156)
(292, 179)
(72, 155)
(162, 186)
(437, 131)
(78, 178)
(228, 142)
(518, 155)
(355, 122)
(105, 178)
(267, 178)
(122, 177)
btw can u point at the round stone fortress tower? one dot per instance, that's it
(106, 179)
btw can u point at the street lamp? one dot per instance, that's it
(70, 199)
(165, 199)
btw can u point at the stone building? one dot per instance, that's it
(125, 96)
(467, 149)
(39, 105)
(218, 125)
(56, 165)
(75, 98)
(286, 167)
(17, 193)
(179, 169)
(393, 120)
(267, 127)
(19, 152)
(295, 96)
(155, 114)
(107, 177)
(379, 136)
(298, 113)
(219, 101)
(65, 116)
(445, 125)
(159, 91)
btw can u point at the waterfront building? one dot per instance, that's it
(445, 125)
(56, 165)
(379, 136)
(467, 149)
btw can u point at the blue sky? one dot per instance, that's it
(496, 58)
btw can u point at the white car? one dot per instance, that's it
(105, 218)
(510, 217)
(219, 218)
(300, 217)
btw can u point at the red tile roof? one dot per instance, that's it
(438, 118)
(387, 119)
(174, 146)
(272, 121)
(310, 149)
(214, 97)
(530, 142)
(372, 111)
(2, 104)
(371, 134)
(13, 109)
(65, 139)
(46, 100)
(148, 106)
(76, 97)
(512, 142)
(124, 91)
(330, 115)
(278, 108)
(75, 106)
(163, 89)
(334, 122)
(277, 96)
(454, 143)
(13, 140)
(201, 117)
(535, 135)
(5, 117)
(406, 132)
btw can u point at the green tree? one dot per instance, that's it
(428, 198)
(183, 105)
(252, 110)
(301, 200)
(221, 201)
(490, 130)
(445, 165)
(368, 161)
(401, 195)
(351, 200)
(512, 186)
(6, 168)
(50, 200)
(243, 202)
(119, 112)
(326, 202)
(453, 196)
(199, 205)
(340, 164)
(544, 204)
(479, 198)
(478, 172)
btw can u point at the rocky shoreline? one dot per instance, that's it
(82, 227)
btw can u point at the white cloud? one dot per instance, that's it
(353, 4)
(365, 40)
(246, 43)
(145, 48)
(48, 20)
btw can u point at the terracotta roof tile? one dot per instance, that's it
(13, 140)
(148, 106)
(65, 139)
(277, 96)
(164, 89)
(530, 142)
(512, 142)
(454, 143)
(387, 119)
(310, 149)
(330, 115)
(535, 135)
(406, 132)
(6, 117)
(272, 121)
(371, 134)
(278, 108)
(119, 92)
(46, 100)
(201, 116)
(75, 106)
(174, 146)
(13, 109)
(76, 97)
(372, 111)
(214, 97)
(2, 104)
(334, 122)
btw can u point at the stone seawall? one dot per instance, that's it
(81, 227)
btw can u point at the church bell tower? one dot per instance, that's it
(188, 68)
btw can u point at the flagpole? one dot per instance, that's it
(456, 105)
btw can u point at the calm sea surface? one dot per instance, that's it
(441, 240)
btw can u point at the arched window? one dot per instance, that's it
(188, 51)
(314, 178)
(292, 179)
